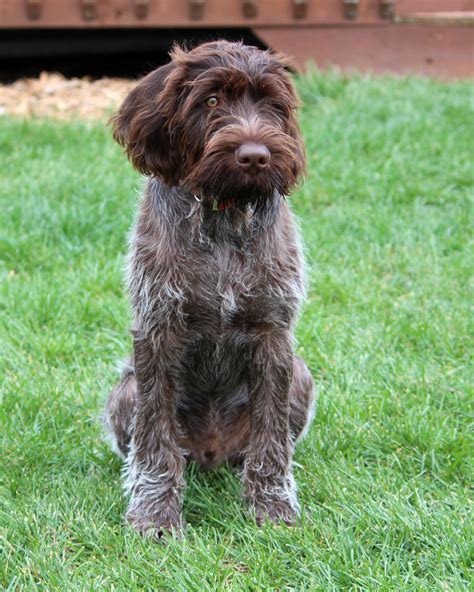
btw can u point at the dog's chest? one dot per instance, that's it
(222, 284)
(233, 291)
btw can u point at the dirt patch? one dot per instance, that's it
(53, 95)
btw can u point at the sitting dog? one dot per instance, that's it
(215, 276)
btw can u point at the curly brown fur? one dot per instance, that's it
(215, 292)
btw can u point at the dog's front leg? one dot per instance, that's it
(268, 478)
(155, 464)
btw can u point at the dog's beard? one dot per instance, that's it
(220, 179)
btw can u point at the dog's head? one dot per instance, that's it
(220, 119)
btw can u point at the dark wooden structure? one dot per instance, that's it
(429, 36)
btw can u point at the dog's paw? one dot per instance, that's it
(157, 525)
(278, 511)
(271, 497)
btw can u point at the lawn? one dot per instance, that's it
(385, 472)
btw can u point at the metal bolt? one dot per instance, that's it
(351, 9)
(387, 9)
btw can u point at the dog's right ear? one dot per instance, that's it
(141, 124)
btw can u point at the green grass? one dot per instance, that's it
(384, 474)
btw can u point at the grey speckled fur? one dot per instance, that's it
(215, 294)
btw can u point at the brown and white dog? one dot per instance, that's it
(215, 276)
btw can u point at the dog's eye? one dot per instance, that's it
(212, 102)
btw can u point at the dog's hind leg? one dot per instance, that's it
(119, 411)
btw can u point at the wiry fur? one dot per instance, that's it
(215, 294)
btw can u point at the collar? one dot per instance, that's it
(218, 205)
(222, 205)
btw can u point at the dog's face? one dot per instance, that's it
(220, 119)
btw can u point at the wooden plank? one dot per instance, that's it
(443, 52)
(177, 13)
(406, 7)
(461, 17)
(218, 13)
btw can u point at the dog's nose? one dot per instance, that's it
(253, 158)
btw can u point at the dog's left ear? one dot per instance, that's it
(141, 124)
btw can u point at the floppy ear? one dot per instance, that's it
(141, 124)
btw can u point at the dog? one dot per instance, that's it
(215, 276)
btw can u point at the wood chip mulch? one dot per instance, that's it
(53, 95)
